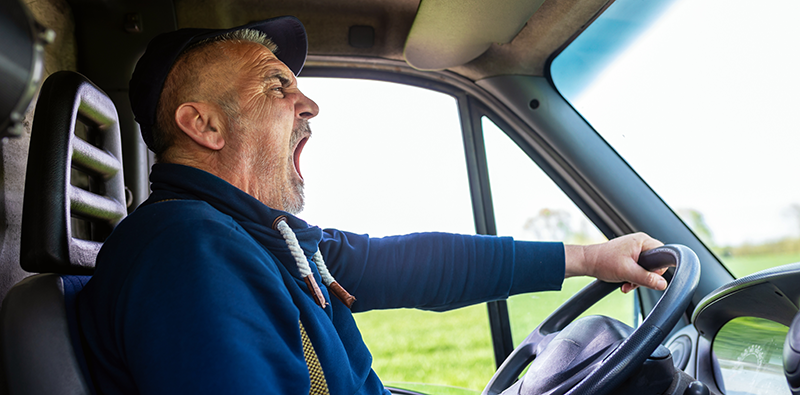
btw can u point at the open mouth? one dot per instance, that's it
(297, 151)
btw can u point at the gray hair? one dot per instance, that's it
(250, 35)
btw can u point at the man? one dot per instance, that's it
(214, 286)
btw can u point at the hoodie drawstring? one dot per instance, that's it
(305, 269)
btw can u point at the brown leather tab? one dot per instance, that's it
(342, 294)
(316, 293)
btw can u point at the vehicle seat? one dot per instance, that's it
(74, 196)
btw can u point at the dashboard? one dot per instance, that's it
(736, 345)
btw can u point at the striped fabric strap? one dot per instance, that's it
(318, 384)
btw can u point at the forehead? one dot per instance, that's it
(250, 57)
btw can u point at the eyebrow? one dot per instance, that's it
(280, 76)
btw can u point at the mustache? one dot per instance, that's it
(302, 130)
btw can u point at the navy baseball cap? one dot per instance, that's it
(147, 81)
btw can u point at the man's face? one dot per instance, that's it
(271, 127)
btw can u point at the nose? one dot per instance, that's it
(305, 108)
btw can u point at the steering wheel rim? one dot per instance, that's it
(636, 348)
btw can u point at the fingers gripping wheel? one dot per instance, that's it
(599, 372)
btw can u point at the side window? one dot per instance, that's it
(528, 205)
(388, 159)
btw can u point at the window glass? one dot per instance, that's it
(384, 159)
(388, 159)
(528, 205)
(699, 97)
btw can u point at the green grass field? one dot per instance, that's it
(744, 265)
(414, 349)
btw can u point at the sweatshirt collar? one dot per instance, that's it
(172, 181)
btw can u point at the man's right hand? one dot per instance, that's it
(616, 261)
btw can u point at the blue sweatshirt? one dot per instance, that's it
(195, 292)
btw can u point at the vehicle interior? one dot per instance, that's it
(514, 118)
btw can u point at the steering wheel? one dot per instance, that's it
(596, 354)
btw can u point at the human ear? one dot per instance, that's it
(201, 123)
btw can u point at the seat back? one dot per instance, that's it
(74, 196)
(39, 337)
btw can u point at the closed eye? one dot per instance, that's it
(278, 78)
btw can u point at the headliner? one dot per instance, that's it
(526, 52)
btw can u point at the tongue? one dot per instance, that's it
(297, 153)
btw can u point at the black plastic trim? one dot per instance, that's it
(770, 294)
(483, 214)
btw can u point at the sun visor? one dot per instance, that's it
(448, 33)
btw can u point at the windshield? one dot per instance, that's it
(699, 97)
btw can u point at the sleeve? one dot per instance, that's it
(439, 271)
(215, 319)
